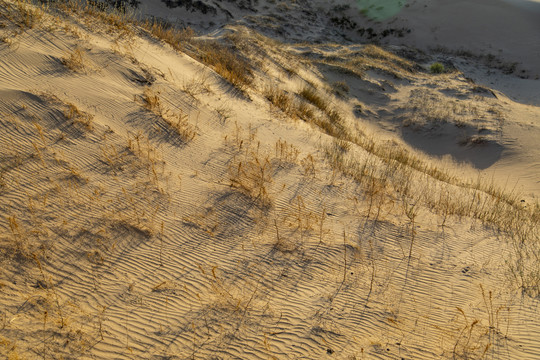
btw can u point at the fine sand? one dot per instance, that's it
(339, 202)
(507, 29)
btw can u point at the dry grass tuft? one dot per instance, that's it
(295, 108)
(118, 21)
(310, 94)
(197, 85)
(79, 117)
(371, 57)
(177, 38)
(20, 239)
(224, 112)
(222, 58)
(285, 152)
(279, 99)
(75, 60)
(429, 108)
(250, 170)
(178, 121)
(252, 175)
(27, 15)
(231, 66)
(340, 88)
(387, 58)
(226, 62)
(152, 101)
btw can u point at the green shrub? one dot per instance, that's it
(437, 68)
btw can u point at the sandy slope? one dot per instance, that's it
(477, 117)
(484, 39)
(122, 237)
(507, 29)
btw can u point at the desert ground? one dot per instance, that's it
(270, 180)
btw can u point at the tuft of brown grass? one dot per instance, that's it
(75, 60)
(79, 117)
(19, 236)
(152, 101)
(116, 20)
(176, 120)
(197, 85)
(224, 113)
(371, 57)
(310, 94)
(179, 122)
(286, 152)
(27, 15)
(231, 66)
(388, 58)
(295, 108)
(220, 57)
(308, 166)
(279, 99)
(426, 107)
(340, 88)
(250, 170)
(252, 175)
(177, 38)
(3, 182)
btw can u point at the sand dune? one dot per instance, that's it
(167, 196)
(508, 30)
(504, 32)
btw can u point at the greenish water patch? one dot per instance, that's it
(380, 9)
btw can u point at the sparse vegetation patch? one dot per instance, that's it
(170, 216)
(75, 60)
(225, 62)
(176, 120)
(437, 68)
